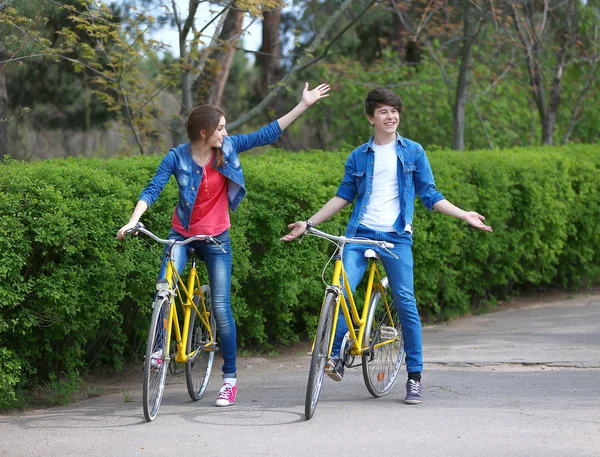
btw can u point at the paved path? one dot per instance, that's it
(521, 382)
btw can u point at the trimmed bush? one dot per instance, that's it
(72, 296)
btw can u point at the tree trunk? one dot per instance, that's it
(3, 110)
(178, 124)
(470, 31)
(397, 38)
(531, 27)
(268, 59)
(566, 37)
(217, 72)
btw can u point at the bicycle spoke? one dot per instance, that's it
(199, 365)
(157, 361)
(384, 336)
(319, 356)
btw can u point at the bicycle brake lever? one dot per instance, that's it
(218, 245)
(302, 237)
(383, 246)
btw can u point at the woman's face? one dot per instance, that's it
(217, 137)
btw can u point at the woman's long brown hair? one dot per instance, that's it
(206, 117)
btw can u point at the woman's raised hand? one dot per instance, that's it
(309, 97)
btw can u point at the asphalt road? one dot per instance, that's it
(521, 382)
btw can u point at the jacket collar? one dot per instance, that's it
(399, 139)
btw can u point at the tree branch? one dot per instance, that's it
(301, 64)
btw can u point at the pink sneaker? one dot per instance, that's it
(156, 360)
(226, 395)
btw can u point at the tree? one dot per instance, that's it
(195, 53)
(473, 15)
(588, 66)
(268, 58)
(221, 58)
(546, 30)
(98, 43)
(317, 48)
(3, 109)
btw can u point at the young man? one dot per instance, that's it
(385, 175)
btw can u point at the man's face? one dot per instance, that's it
(385, 119)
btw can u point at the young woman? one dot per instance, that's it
(211, 181)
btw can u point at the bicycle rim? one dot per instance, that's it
(382, 364)
(319, 356)
(155, 370)
(199, 365)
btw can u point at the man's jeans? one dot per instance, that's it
(218, 265)
(400, 276)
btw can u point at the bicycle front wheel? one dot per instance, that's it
(157, 358)
(320, 355)
(383, 336)
(200, 362)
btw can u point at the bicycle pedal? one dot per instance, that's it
(388, 333)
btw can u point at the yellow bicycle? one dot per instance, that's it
(194, 339)
(374, 335)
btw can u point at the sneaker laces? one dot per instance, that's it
(225, 392)
(414, 387)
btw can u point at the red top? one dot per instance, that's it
(210, 215)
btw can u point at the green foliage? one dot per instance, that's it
(82, 60)
(10, 377)
(506, 118)
(73, 297)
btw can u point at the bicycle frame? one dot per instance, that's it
(176, 286)
(173, 286)
(346, 301)
(348, 305)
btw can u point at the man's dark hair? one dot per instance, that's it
(382, 96)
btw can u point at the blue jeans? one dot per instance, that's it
(218, 265)
(400, 276)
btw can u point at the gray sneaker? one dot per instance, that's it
(413, 392)
(335, 369)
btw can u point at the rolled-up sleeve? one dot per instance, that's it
(347, 189)
(160, 179)
(424, 182)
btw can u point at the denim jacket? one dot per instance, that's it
(414, 178)
(179, 162)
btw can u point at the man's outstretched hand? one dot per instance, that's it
(476, 220)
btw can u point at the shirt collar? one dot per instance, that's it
(372, 139)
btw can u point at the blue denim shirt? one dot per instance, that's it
(414, 178)
(179, 162)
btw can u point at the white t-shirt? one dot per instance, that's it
(384, 203)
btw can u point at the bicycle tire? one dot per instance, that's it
(155, 376)
(199, 367)
(381, 365)
(319, 356)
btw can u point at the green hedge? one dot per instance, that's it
(72, 296)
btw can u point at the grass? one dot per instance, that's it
(60, 392)
(127, 395)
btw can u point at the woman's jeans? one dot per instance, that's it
(400, 276)
(218, 265)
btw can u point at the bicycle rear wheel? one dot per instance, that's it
(157, 359)
(199, 365)
(382, 364)
(320, 355)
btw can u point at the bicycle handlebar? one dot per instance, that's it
(139, 227)
(343, 240)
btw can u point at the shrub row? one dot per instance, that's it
(72, 296)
